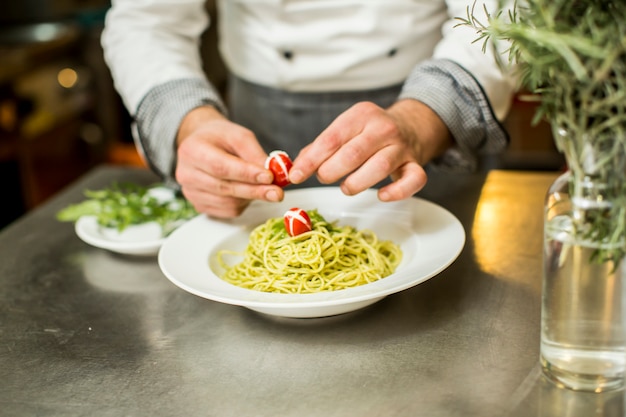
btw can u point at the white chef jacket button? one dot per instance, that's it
(287, 54)
(392, 52)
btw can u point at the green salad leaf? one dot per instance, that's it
(121, 205)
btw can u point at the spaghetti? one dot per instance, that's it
(326, 258)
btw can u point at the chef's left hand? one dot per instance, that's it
(367, 143)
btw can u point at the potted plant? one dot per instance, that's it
(572, 55)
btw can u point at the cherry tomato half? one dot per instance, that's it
(297, 221)
(279, 163)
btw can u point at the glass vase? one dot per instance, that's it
(584, 290)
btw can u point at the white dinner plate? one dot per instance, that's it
(142, 239)
(431, 238)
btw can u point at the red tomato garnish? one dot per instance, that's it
(297, 221)
(279, 163)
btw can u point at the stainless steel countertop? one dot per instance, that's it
(84, 332)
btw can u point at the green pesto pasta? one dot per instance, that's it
(327, 258)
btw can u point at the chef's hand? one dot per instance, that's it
(220, 165)
(367, 143)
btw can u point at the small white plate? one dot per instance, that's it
(430, 237)
(142, 239)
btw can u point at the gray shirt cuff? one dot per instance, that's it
(159, 115)
(460, 101)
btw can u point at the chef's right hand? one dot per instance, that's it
(220, 165)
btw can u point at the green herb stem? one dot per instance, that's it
(572, 55)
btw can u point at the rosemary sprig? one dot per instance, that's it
(572, 55)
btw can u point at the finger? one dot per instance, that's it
(408, 180)
(346, 126)
(226, 206)
(245, 145)
(373, 170)
(231, 168)
(313, 155)
(202, 184)
(195, 158)
(348, 158)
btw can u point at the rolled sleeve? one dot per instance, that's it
(159, 115)
(460, 101)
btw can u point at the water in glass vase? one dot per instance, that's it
(583, 338)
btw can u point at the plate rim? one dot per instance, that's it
(83, 228)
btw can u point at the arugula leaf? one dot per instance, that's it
(317, 220)
(316, 217)
(121, 205)
(277, 228)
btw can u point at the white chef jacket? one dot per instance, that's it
(298, 45)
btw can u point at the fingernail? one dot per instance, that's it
(296, 176)
(346, 190)
(264, 178)
(272, 195)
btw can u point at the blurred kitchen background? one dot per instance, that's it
(60, 115)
